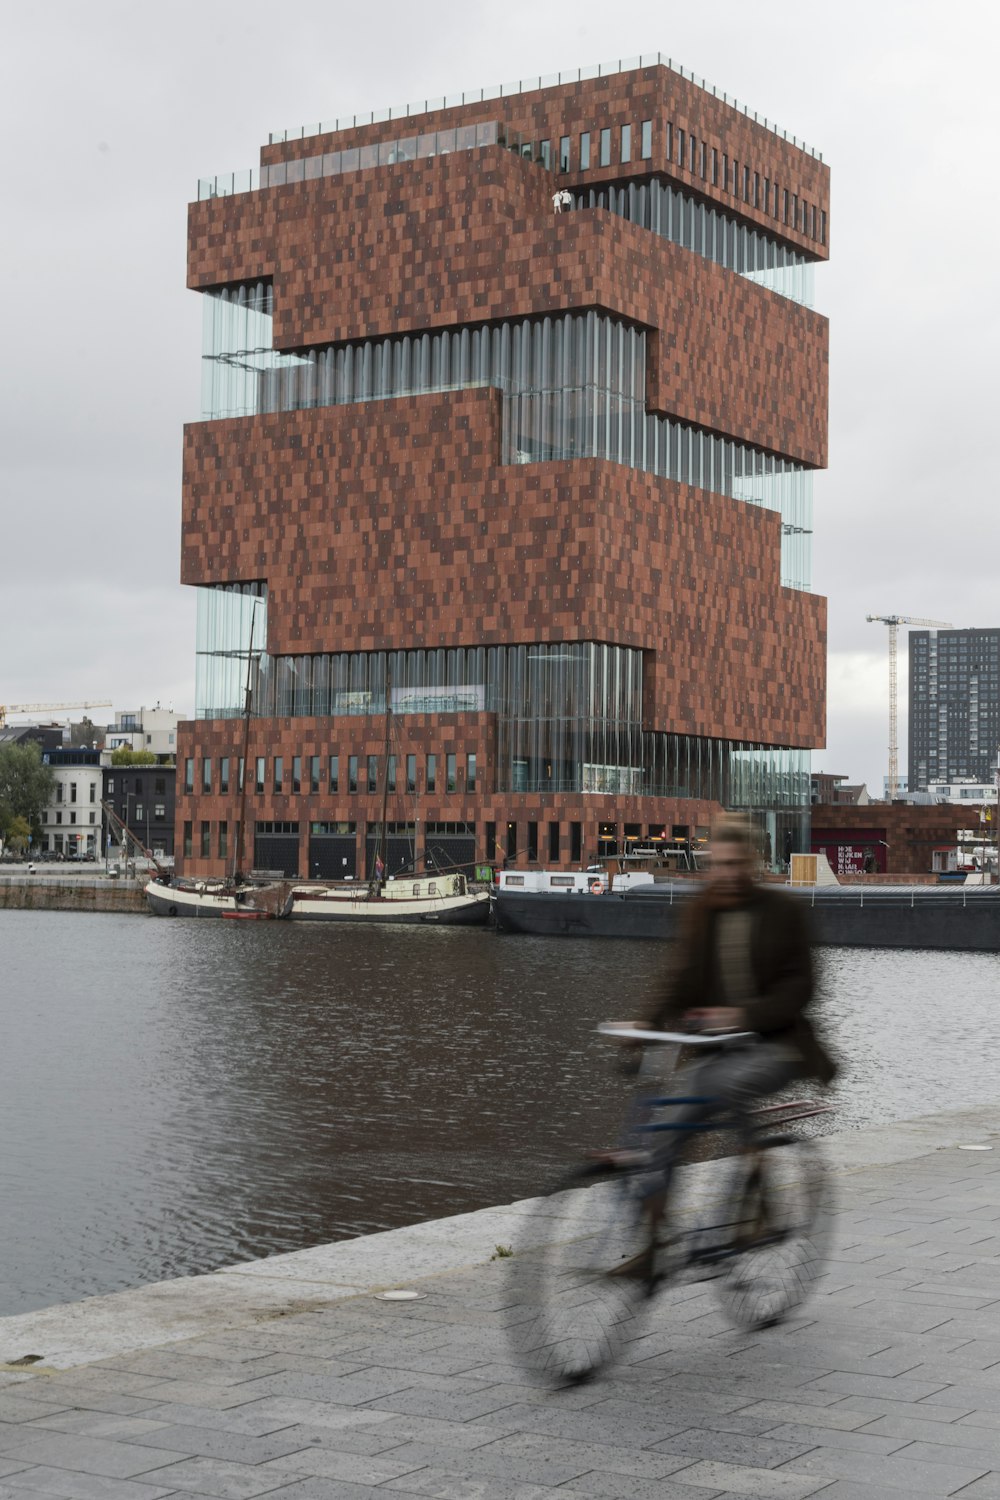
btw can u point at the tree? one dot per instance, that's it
(25, 786)
(123, 756)
(18, 834)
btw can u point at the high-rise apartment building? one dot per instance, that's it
(954, 706)
(540, 468)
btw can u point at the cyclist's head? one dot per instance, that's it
(732, 860)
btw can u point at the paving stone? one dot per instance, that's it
(115, 1460)
(538, 1468)
(610, 1458)
(756, 1453)
(204, 1442)
(599, 1482)
(987, 1487)
(895, 1472)
(210, 1476)
(42, 1480)
(772, 1483)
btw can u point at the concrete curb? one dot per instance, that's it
(256, 1291)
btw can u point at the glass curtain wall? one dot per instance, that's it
(569, 715)
(230, 621)
(574, 387)
(663, 209)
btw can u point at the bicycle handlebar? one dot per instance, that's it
(624, 1032)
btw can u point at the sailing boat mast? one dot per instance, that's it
(238, 872)
(375, 881)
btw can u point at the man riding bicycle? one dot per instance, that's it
(741, 963)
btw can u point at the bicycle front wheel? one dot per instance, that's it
(780, 1231)
(581, 1276)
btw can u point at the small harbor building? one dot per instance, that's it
(512, 403)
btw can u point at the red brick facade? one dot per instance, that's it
(394, 525)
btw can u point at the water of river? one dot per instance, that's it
(178, 1096)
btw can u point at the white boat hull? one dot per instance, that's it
(471, 909)
(182, 901)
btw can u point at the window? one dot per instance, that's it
(138, 813)
(491, 842)
(766, 203)
(391, 773)
(189, 774)
(470, 772)
(206, 840)
(93, 791)
(411, 773)
(188, 834)
(553, 843)
(736, 179)
(670, 141)
(279, 772)
(511, 840)
(725, 169)
(160, 811)
(784, 205)
(756, 189)
(296, 773)
(206, 774)
(576, 842)
(746, 184)
(646, 142)
(680, 148)
(533, 843)
(58, 817)
(223, 840)
(352, 773)
(822, 226)
(239, 773)
(606, 147)
(545, 154)
(430, 779)
(715, 167)
(585, 151)
(72, 791)
(223, 776)
(373, 773)
(260, 774)
(451, 773)
(692, 154)
(72, 817)
(314, 773)
(626, 151)
(564, 153)
(335, 773)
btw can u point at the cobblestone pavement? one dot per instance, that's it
(888, 1383)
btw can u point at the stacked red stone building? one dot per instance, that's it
(540, 478)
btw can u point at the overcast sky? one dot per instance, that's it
(112, 112)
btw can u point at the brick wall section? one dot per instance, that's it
(912, 833)
(470, 237)
(414, 734)
(391, 525)
(658, 94)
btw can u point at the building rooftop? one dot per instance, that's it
(533, 85)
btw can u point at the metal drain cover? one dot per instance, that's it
(403, 1294)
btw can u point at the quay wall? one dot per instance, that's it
(86, 894)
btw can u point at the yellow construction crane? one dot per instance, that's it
(894, 622)
(44, 708)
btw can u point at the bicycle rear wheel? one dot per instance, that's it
(582, 1276)
(780, 1217)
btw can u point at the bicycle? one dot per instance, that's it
(592, 1258)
